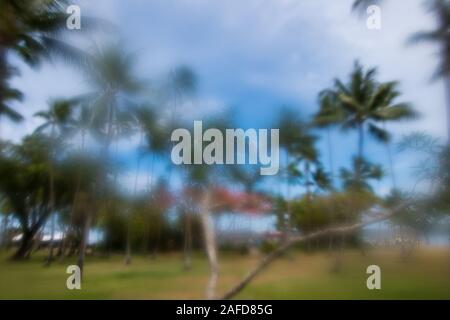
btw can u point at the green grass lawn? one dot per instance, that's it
(298, 276)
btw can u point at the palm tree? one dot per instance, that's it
(82, 124)
(32, 30)
(57, 118)
(357, 178)
(157, 145)
(440, 35)
(329, 115)
(145, 119)
(292, 138)
(312, 174)
(367, 103)
(111, 76)
(182, 83)
(24, 185)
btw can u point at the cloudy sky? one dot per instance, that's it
(257, 55)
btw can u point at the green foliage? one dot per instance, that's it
(314, 213)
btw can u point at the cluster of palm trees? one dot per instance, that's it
(362, 104)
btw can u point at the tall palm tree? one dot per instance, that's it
(367, 104)
(311, 175)
(157, 146)
(111, 76)
(82, 124)
(57, 119)
(145, 119)
(294, 140)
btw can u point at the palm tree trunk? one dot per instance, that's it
(187, 252)
(74, 202)
(128, 240)
(360, 151)
(25, 245)
(52, 198)
(330, 155)
(150, 188)
(391, 164)
(308, 198)
(447, 93)
(128, 244)
(84, 242)
(60, 251)
(4, 236)
(360, 141)
(210, 245)
(391, 160)
(287, 224)
(52, 241)
(331, 163)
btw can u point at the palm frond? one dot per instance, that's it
(10, 113)
(378, 133)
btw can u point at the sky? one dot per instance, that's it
(258, 55)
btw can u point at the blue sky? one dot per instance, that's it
(256, 56)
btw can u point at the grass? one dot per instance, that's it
(297, 276)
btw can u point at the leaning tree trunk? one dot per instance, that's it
(270, 258)
(25, 246)
(210, 245)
